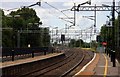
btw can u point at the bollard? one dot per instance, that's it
(12, 55)
(111, 55)
(113, 60)
(52, 50)
(32, 54)
(107, 51)
(44, 51)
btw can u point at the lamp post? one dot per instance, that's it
(108, 36)
(87, 2)
(113, 32)
(94, 19)
(29, 43)
(54, 34)
(113, 19)
(118, 30)
(68, 33)
(13, 36)
(113, 25)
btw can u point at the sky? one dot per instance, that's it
(51, 16)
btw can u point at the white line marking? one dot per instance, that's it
(117, 61)
(85, 66)
(104, 66)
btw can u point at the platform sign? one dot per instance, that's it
(98, 38)
(104, 43)
(62, 37)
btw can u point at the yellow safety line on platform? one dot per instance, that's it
(106, 65)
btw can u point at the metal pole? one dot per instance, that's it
(65, 28)
(52, 36)
(106, 49)
(81, 39)
(85, 40)
(68, 37)
(56, 35)
(90, 39)
(13, 32)
(113, 24)
(41, 38)
(27, 35)
(95, 20)
(119, 29)
(18, 43)
(95, 16)
(66, 32)
(113, 34)
(74, 16)
(13, 40)
(108, 42)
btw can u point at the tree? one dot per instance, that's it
(31, 33)
(6, 33)
(79, 43)
(109, 36)
(76, 43)
(106, 34)
(72, 43)
(94, 45)
(46, 37)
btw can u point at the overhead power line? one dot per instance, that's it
(57, 9)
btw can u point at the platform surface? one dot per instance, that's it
(27, 60)
(100, 66)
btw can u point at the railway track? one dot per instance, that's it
(68, 55)
(67, 67)
(87, 57)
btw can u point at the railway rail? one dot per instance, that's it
(75, 59)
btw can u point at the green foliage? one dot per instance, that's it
(7, 38)
(24, 22)
(98, 38)
(94, 45)
(46, 37)
(74, 43)
(86, 45)
(27, 15)
(106, 34)
(110, 37)
(79, 43)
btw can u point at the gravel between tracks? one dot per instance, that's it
(59, 67)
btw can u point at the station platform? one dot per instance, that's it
(100, 66)
(27, 60)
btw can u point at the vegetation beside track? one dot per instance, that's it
(89, 49)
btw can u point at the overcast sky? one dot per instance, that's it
(51, 17)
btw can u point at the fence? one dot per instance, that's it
(12, 52)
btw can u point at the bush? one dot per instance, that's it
(118, 54)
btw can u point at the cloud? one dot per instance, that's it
(47, 13)
(68, 4)
(44, 15)
(19, 0)
(50, 16)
